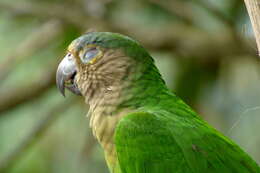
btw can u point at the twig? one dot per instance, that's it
(253, 8)
(36, 133)
(39, 39)
(243, 114)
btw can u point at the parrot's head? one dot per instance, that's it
(100, 62)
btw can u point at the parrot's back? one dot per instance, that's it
(171, 138)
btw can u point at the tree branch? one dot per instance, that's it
(63, 12)
(220, 16)
(183, 39)
(35, 134)
(40, 38)
(178, 8)
(15, 96)
(253, 8)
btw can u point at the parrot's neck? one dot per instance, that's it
(108, 105)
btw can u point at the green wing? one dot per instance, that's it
(161, 143)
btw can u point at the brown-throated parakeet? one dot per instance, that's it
(142, 126)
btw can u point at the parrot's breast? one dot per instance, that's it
(104, 116)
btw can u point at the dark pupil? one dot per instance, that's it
(90, 54)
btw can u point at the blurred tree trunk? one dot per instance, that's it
(253, 8)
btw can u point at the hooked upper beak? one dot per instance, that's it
(65, 76)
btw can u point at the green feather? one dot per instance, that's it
(155, 141)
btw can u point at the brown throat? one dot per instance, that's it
(103, 84)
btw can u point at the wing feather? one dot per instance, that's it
(156, 143)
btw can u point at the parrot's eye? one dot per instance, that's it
(90, 55)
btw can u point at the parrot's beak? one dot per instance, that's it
(65, 76)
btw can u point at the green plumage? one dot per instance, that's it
(162, 134)
(175, 140)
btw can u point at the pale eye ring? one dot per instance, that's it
(89, 55)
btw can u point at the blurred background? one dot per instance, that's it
(205, 50)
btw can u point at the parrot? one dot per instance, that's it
(142, 126)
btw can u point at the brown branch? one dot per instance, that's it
(220, 16)
(178, 8)
(21, 94)
(190, 42)
(35, 134)
(253, 8)
(63, 12)
(39, 39)
(177, 37)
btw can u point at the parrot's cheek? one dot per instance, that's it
(65, 76)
